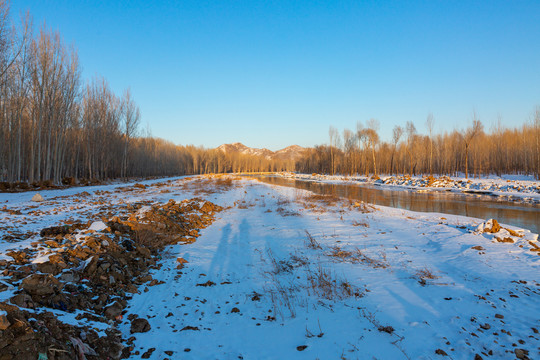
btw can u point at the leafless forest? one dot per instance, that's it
(56, 128)
(473, 151)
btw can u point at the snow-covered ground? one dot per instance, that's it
(283, 273)
(516, 187)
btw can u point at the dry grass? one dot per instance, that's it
(311, 242)
(364, 224)
(425, 274)
(286, 212)
(324, 284)
(357, 256)
(209, 184)
(363, 207)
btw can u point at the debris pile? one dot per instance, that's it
(90, 273)
(494, 231)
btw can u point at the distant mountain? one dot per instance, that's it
(289, 153)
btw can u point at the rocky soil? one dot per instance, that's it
(90, 270)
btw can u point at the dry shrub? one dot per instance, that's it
(356, 223)
(311, 242)
(208, 184)
(283, 201)
(338, 253)
(284, 212)
(224, 183)
(357, 256)
(363, 207)
(424, 274)
(326, 285)
(285, 266)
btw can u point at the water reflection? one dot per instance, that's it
(523, 215)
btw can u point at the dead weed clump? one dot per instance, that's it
(209, 184)
(363, 207)
(357, 256)
(311, 242)
(425, 274)
(286, 212)
(326, 285)
(285, 266)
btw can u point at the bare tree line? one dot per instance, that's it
(471, 151)
(54, 127)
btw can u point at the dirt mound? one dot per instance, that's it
(94, 271)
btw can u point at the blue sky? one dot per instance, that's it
(275, 73)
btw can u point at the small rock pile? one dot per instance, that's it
(493, 230)
(91, 272)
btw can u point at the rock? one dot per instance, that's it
(4, 322)
(235, 310)
(148, 353)
(144, 252)
(485, 326)
(499, 316)
(139, 325)
(206, 284)
(20, 257)
(41, 284)
(441, 352)
(52, 243)
(521, 354)
(490, 226)
(114, 310)
(145, 278)
(23, 300)
(132, 289)
(301, 347)
(37, 198)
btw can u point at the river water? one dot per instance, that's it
(520, 214)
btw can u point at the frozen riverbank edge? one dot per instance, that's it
(508, 187)
(283, 273)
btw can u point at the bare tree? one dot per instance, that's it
(349, 142)
(411, 136)
(397, 132)
(468, 137)
(429, 124)
(373, 139)
(537, 137)
(131, 119)
(333, 134)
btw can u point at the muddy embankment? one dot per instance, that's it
(87, 273)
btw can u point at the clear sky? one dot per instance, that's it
(276, 73)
